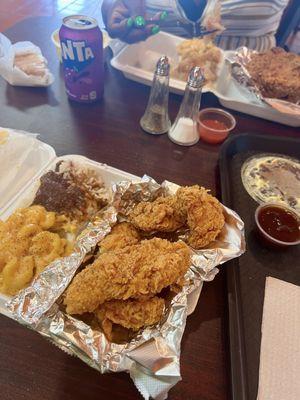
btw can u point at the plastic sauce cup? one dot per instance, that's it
(277, 218)
(214, 125)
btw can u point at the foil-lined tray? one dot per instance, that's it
(152, 357)
(238, 62)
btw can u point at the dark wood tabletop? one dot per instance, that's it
(109, 132)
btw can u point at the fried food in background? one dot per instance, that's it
(160, 215)
(277, 74)
(28, 243)
(198, 53)
(122, 234)
(204, 215)
(140, 270)
(74, 191)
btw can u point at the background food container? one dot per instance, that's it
(137, 62)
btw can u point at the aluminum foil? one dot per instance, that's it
(240, 73)
(152, 357)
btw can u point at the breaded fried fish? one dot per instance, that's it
(138, 270)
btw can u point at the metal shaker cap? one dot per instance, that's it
(196, 78)
(162, 66)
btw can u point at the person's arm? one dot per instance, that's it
(105, 8)
(119, 17)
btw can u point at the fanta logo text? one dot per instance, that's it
(76, 51)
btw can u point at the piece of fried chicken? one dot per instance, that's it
(131, 314)
(138, 270)
(160, 215)
(122, 234)
(204, 215)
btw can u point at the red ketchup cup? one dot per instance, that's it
(215, 124)
(278, 225)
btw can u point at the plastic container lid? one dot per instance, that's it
(23, 157)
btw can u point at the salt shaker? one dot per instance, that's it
(156, 118)
(184, 131)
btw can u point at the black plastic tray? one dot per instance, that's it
(246, 275)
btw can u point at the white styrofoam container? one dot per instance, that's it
(234, 96)
(137, 62)
(22, 158)
(40, 159)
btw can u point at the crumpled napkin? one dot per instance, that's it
(22, 50)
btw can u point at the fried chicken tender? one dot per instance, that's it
(187, 195)
(122, 235)
(160, 215)
(131, 314)
(205, 222)
(138, 270)
(192, 205)
(204, 215)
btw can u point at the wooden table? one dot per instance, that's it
(109, 132)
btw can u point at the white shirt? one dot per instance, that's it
(247, 22)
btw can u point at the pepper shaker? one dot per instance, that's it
(156, 117)
(184, 131)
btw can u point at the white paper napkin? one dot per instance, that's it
(279, 371)
(14, 75)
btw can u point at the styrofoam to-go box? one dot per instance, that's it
(138, 61)
(24, 159)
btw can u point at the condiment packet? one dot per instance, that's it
(22, 64)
